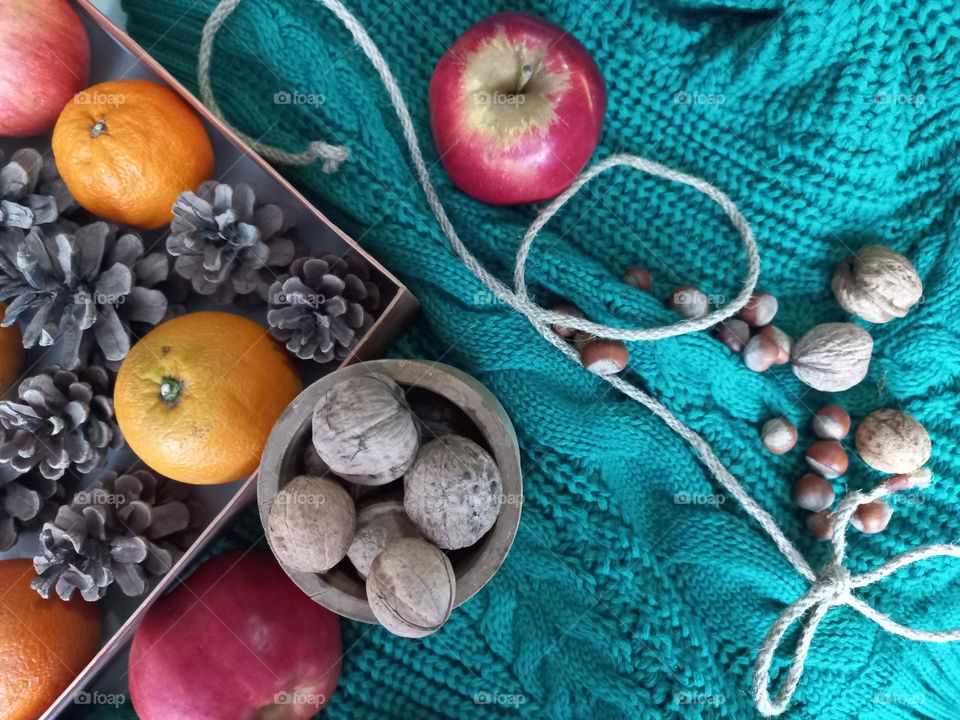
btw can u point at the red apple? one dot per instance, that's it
(44, 61)
(236, 641)
(516, 106)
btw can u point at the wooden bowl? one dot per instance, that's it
(341, 589)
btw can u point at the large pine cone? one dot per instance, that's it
(31, 191)
(321, 309)
(25, 501)
(121, 529)
(227, 244)
(65, 419)
(90, 280)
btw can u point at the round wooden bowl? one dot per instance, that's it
(341, 589)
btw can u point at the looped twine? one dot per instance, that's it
(831, 587)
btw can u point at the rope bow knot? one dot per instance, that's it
(833, 586)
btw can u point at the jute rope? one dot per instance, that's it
(831, 586)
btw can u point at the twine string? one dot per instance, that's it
(833, 585)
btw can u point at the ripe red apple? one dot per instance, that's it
(237, 640)
(44, 61)
(516, 106)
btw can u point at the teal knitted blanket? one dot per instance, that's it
(635, 589)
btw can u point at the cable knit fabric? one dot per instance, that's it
(635, 589)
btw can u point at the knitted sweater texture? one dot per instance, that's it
(635, 589)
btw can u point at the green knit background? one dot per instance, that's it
(617, 601)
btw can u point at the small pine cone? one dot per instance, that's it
(321, 308)
(121, 529)
(65, 419)
(226, 243)
(25, 501)
(90, 280)
(31, 191)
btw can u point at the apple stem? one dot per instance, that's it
(526, 72)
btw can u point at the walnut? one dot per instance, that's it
(364, 430)
(378, 522)
(877, 284)
(411, 587)
(893, 441)
(833, 356)
(453, 492)
(311, 524)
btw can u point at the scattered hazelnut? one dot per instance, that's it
(411, 587)
(567, 309)
(733, 333)
(833, 356)
(778, 435)
(759, 310)
(689, 301)
(453, 492)
(918, 479)
(827, 458)
(311, 524)
(603, 357)
(893, 441)
(638, 277)
(783, 341)
(820, 524)
(378, 522)
(760, 353)
(364, 430)
(872, 517)
(813, 492)
(876, 284)
(831, 422)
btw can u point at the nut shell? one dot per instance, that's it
(567, 309)
(872, 517)
(411, 587)
(689, 302)
(831, 422)
(364, 431)
(760, 353)
(813, 492)
(759, 310)
(778, 435)
(828, 458)
(820, 524)
(311, 524)
(603, 357)
(892, 441)
(876, 284)
(733, 333)
(453, 492)
(638, 277)
(378, 523)
(832, 357)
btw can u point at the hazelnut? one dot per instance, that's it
(827, 458)
(876, 284)
(813, 492)
(760, 353)
(378, 522)
(311, 524)
(453, 492)
(918, 479)
(759, 310)
(820, 524)
(567, 309)
(831, 422)
(783, 341)
(603, 357)
(638, 277)
(833, 356)
(733, 333)
(411, 587)
(778, 435)
(872, 517)
(892, 441)
(364, 430)
(689, 302)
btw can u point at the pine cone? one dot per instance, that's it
(121, 529)
(226, 244)
(69, 284)
(25, 502)
(31, 191)
(66, 419)
(322, 306)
